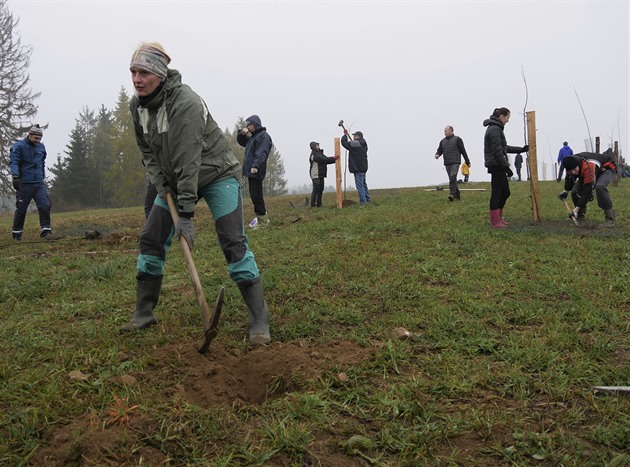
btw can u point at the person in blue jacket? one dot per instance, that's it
(257, 143)
(565, 151)
(28, 171)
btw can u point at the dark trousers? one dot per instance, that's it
(256, 194)
(27, 193)
(560, 171)
(318, 189)
(452, 170)
(518, 172)
(500, 189)
(149, 199)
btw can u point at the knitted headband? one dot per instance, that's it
(151, 57)
(36, 130)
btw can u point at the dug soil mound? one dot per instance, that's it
(223, 377)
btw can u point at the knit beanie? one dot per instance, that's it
(151, 57)
(36, 130)
(570, 162)
(254, 120)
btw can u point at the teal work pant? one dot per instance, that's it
(224, 198)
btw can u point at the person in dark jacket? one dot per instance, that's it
(187, 156)
(257, 143)
(588, 172)
(452, 147)
(518, 163)
(358, 163)
(27, 162)
(496, 150)
(318, 170)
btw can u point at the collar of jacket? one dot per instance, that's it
(173, 80)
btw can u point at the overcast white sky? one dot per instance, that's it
(398, 71)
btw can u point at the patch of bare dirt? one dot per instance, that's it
(222, 377)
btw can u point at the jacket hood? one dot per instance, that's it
(313, 145)
(492, 121)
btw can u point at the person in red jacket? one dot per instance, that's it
(589, 172)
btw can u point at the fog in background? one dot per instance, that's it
(397, 71)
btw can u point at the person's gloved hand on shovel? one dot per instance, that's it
(186, 228)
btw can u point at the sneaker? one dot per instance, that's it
(48, 236)
(451, 197)
(17, 237)
(254, 223)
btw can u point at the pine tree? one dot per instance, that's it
(125, 176)
(17, 106)
(73, 186)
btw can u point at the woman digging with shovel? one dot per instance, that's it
(187, 157)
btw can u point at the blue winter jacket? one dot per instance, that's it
(257, 150)
(28, 162)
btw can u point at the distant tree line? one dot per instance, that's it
(102, 165)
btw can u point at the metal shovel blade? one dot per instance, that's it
(210, 331)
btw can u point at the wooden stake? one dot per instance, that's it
(532, 163)
(338, 173)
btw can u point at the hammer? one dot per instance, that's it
(341, 125)
(210, 322)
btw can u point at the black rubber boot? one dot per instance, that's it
(252, 293)
(147, 296)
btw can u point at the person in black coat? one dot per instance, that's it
(518, 163)
(358, 163)
(318, 171)
(496, 161)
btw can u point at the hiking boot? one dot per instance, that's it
(451, 197)
(17, 237)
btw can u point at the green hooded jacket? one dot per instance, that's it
(181, 144)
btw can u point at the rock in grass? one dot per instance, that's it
(401, 333)
(358, 443)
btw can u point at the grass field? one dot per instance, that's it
(509, 332)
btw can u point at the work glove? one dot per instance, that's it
(17, 184)
(509, 172)
(574, 213)
(167, 189)
(253, 170)
(186, 228)
(525, 148)
(245, 132)
(564, 195)
(345, 132)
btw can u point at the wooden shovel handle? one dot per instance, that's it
(192, 270)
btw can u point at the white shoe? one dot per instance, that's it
(254, 223)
